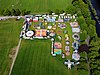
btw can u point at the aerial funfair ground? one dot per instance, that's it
(54, 27)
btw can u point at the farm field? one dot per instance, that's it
(34, 58)
(36, 6)
(9, 37)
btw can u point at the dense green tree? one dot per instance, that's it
(70, 9)
(57, 11)
(25, 12)
(81, 20)
(75, 3)
(95, 66)
(89, 21)
(17, 12)
(92, 22)
(95, 72)
(82, 23)
(83, 35)
(61, 11)
(82, 68)
(94, 45)
(94, 11)
(78, 12)
(6, 12)
(13, 12)
(85, 12)
(91, 31)
(1, 11)
(93, 54)
(50, 12)
(82, 72)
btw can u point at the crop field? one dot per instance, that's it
(36, 6)
(9, 37)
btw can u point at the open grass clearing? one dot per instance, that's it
(9, 37)
(36, 6)
(34, 59)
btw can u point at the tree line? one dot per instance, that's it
(14, 12)
(93, 10)
(69, 10)
(88, 29)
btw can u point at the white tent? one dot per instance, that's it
(75, 30)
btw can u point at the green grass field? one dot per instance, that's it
(37, 6)
(34, 58)
(62, 34)
(9, 37)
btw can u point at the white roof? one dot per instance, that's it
(68, 14)
(40, 17)
(55, 15)
(43, 15)
(36, 18)
(77, 30)
(37, 15)
(62, 14)
(76, 51)
(73, 16)
(28, 19)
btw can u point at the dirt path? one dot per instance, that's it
(14, 59)
(9, 17)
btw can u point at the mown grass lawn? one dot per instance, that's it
(38, 6)
(59, 32)
(34, 58)
(9, 37)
